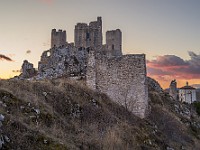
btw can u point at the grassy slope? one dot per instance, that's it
(73, 117)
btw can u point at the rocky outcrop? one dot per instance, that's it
(3, 138)
(153, 85)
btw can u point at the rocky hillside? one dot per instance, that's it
(62, 115)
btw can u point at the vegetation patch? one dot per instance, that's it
(197, 107)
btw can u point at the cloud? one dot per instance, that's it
(3, 57)
(168, 61)
(195, 59)
(175, 67)
(28, 51)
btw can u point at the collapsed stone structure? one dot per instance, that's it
(173, 91)
(28, 71)
(121, 77)
(62, 61)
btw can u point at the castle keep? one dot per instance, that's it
(88, 35)
(105, 68)
(114, 42)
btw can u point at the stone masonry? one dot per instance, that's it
(105, 68)
(122, 78)
(63, 61)
(28, 71)
(58, 38)
(88, 35)
(114, 42)
(173, 91)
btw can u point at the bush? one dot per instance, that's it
(197, 107)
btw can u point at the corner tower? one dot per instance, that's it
(114, 42)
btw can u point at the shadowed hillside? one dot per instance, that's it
(62, 114)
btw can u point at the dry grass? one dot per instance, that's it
(73, 116)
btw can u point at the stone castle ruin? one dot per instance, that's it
(173, 91)
(88, 35)
(28, 71)
(121, 77)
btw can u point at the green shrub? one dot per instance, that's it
(197, 107)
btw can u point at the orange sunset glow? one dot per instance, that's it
(170, 39)
(168, 67)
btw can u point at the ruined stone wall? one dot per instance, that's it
(88, 35)
(173, 91)
(123, 79)
(63, 61)
(58, 38)
(28, 71)
(114, 42)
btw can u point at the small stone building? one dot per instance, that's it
(187, 94)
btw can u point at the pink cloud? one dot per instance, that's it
(175, 67)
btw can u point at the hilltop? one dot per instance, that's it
(63, 114)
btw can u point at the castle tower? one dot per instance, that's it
(173, 92)
(58, 38)
(88, 35)
(114, 42)
(95, 33)
(81, 35)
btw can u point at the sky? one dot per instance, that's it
(167, 31)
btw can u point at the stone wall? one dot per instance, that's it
(173, 91)
(58, 38)
(28, 71)
(63, 61)
(123, 79)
